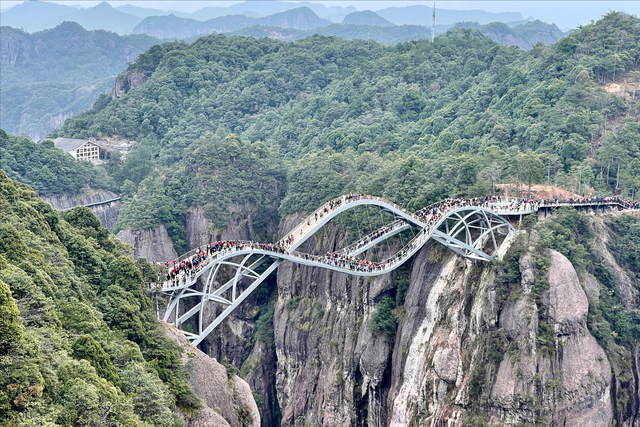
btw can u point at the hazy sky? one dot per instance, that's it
(566, 14)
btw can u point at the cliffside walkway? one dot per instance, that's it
(472, 228)
(104, 202)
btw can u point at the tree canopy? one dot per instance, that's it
(218, 119)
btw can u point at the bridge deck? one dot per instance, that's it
(463, 226)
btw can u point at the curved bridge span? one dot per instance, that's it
(466, 227)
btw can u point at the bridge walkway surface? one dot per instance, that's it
(464, 226)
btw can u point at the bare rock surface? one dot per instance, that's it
(201, 232)
(107, 213)
(210, 382)
(207, 417)
(127, 81)
(468, 344)
(155, 245)
(568, 304)
(585, 375)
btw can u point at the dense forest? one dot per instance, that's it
(79, 341)
(414, 122)
(47, 169)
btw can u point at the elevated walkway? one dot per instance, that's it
(464, 226)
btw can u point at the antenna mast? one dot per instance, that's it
(433, 23)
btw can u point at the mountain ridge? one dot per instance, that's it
(173, 26)
(366, 17)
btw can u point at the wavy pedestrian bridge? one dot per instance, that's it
(210, 283)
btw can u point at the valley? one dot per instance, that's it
(322, 217)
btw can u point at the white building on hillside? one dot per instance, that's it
(80, 149)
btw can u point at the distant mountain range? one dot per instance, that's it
(366, 17)
(48, 76)
(286, 22)
(32, 16)
(36, 15)
(262, 8)
(387, 35)
(172, 26)
(524, 35)
(421, 15)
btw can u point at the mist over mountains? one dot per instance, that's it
(35, 15)
(282, 20)
(56, 59)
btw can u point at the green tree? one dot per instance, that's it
(531, 168)
(151, 398)
(86, 347)
(382, 319)
(10, 328)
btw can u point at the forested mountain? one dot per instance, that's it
(48, 76)
(79, 341)
(47, 169)
(524, 35)
(67, 52)
(385, 35)
(414, 122)
(238, 133)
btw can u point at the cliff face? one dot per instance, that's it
(107, 213)
(127, 81)
(463, 350)
(200, 232)
(15, 46)
(155, 245)
(334, 370)
(227, 398)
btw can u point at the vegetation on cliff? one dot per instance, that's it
(414, 122)
(79, 342)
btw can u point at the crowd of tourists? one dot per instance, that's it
(184, 271)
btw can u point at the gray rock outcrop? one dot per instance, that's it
(200, 231)
(107, 213)
(568, 305)
(127, 81)
(155, 245)
(225, 400)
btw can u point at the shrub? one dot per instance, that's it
(382, 319)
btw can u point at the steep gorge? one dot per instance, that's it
(470, 348)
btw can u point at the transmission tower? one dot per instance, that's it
(433, 24)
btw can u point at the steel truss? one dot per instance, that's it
(465, 230)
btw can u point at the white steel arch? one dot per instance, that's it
(462, 228)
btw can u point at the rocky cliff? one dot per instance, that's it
(15, 46)
(200, 232)
(107, 213)
(155, 245)
(504, 343)
(127, 81)
(227, 398)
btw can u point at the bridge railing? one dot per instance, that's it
(374, 235)
(498, 207)
(338, 202)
